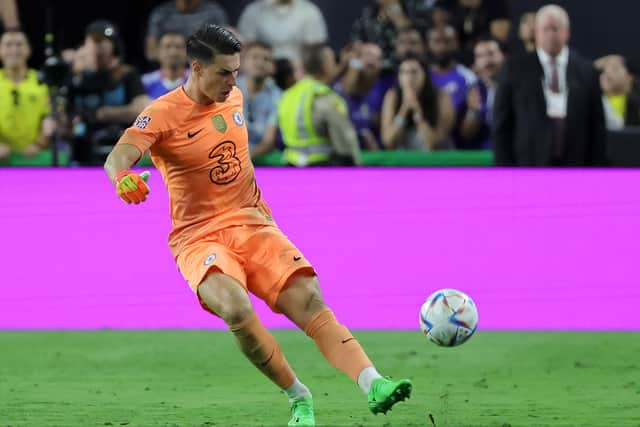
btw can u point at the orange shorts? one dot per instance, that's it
(260, 257)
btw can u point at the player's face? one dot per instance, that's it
(14, 49)
(217, 79)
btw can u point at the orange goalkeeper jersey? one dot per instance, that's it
(202, 153)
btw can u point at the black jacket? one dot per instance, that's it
(522, 130)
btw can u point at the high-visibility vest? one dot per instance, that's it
(303, 145)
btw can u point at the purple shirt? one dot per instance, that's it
(364, 111)
(457, 83)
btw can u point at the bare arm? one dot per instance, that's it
(9, 13)
(126, 113)
(122, 157)
(267, 143)
(342, 135)
(392, 126)
(472, 121)
(446, 118)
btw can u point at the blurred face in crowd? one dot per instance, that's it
(552, 31)
(443, 45)
(186, 5)
(104, 48)
(217, 78)
(526, 31)
(409, 43)
(172, 51)
(411, 75)
(257, 62)
(488, 59)
(371, 57)
(14, 49)
(615, 78)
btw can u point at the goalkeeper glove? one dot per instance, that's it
(131, 187)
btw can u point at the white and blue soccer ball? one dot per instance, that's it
(448, 317)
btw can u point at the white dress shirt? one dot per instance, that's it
(562, 61)
(556, 102)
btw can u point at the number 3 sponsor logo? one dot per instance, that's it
(227, 166)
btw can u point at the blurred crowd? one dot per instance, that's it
(419, 75)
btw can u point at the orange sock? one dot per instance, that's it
(337, 344)
(262, 349)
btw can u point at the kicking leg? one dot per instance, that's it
(301, 301)
(227, 298)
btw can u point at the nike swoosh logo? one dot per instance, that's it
(297, 258)
(192, 134)
(347, 340)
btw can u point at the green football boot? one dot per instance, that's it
(385, 393)
(302, 413)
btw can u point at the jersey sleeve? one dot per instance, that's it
(150, 127)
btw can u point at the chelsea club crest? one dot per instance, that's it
(237, 117)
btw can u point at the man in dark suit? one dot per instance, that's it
(548, 107)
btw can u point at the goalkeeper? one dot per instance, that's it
(224, 238)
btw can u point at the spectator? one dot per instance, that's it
(416, 115)
(409, 42)
(313, 118)
(459, 82)
(538, 120)
(106, 94)
(261, 97)
(173, 72)
(363, 90)
(9, 14)
(621, 92)
(473, 18)
(286, 25)
(487, 64)
(527, 31)
(24, 101)
(181, 16)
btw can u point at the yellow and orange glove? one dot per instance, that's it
(131, 187)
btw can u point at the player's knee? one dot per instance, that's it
(313, 301)
(225, 297)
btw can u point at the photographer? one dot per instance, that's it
(106, 95)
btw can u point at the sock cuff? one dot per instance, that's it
(319, 320)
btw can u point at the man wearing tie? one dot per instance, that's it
(548, 106)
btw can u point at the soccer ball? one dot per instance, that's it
(448, 317)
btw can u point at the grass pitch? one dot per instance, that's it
(199, 378)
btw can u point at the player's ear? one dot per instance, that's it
(196, 66)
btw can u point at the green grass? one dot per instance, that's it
(198, 378)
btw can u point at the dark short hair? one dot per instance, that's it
(485, 38)
(211, 40)
(109, 31)
(256, 43)
(312, 57)
(411, 29)
(171, 33)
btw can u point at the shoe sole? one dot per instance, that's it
(402, 392)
